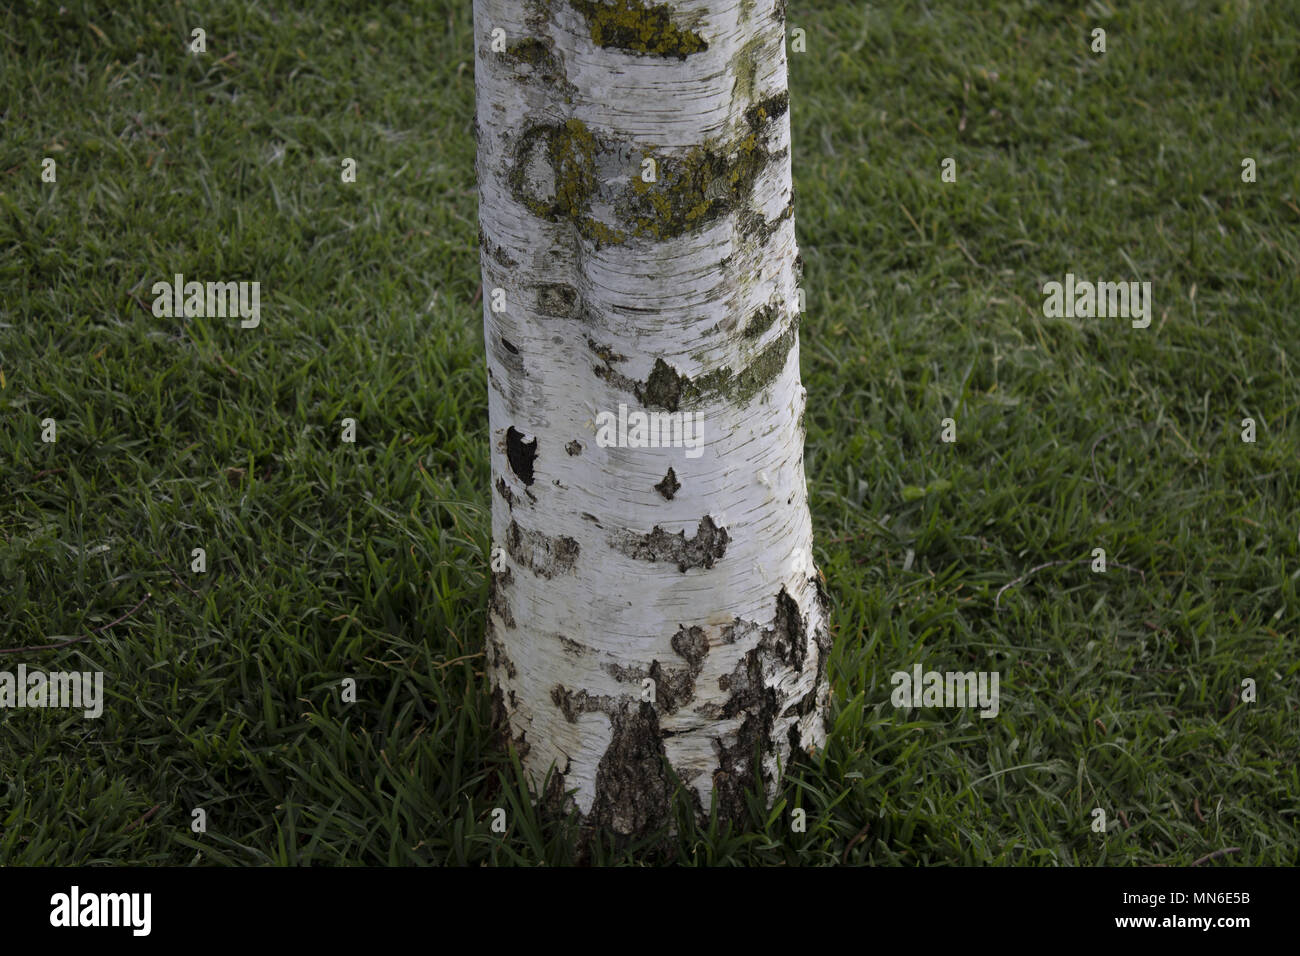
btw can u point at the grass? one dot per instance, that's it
(328, 561)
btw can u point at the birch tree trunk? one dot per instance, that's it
(651, 607)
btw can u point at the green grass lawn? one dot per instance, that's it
(329, 560)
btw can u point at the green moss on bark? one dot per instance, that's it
(638, 28)
(669, 389)
(710, 181)
(692, 190)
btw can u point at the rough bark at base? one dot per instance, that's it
(628, 565)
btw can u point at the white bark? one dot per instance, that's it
(672, 295)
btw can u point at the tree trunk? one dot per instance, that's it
(648, 604)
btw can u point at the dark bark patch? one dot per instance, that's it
(521, 452)
(624, 674)
(663, 389)
(572, 703)
(494, 251)
(824, 640)
(511, 361)
(767, 109)
(533, 50)
(618, 380)
(633, 788)
(780, 648)
(694, 189)
(557, 170)
(558, 300)
(536, 58)
(669, 486)
(574, 447)
(755, 377)
(638, 28)
(499, 720)
(669, 389)
(563, 699)
(708, 545)
(708, 181)
(693, 645)
(605, 352)
(756, 230)
(497, 657)
(673, 687)
(553, 173)
(738, 762)
(540, 553)
(571, 647)
(789, 642)
(497, 602)
(504, 491)
(760, 322)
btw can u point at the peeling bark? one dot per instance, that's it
(632, 565)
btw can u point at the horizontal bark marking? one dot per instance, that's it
(708, 545)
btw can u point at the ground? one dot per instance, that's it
(369, 560)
